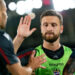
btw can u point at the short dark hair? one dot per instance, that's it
(52, 13)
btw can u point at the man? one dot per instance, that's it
(8, 60)
(51, 28)
(57, 55)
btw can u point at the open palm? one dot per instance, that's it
(24, 27)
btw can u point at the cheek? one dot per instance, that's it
(43, 30)
(57, 31)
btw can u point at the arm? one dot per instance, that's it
(17, 69)
(23, 32)
(9, 59)
(68, 69)
(34, 62)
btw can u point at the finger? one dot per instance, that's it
(42, 67)
(21, 21)
(42, 60)
(25, 19)
(33, 54)
(32, 30)
(29, 23)
(41, 56)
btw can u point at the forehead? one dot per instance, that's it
(50, 19)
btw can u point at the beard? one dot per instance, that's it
(50, 38)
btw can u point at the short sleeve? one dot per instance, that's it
(24, 56)
(7, 55)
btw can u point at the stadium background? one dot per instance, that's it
(67, 38)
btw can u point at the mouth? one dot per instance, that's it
(49, 33)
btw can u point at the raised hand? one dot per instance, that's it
(23, 31)
(35, 62)
(24, 27)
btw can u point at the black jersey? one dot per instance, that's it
(24, 56)
(7, 55)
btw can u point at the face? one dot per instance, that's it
(3, 16)
(51, 28)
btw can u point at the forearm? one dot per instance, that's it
(23, 31)
(17, 42)
(17, 69)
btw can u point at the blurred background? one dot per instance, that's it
(18, 8)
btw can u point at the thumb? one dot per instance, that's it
(32, 30)
(33, 54)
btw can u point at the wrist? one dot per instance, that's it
(30, 67)
(20, 37)
(28, 70)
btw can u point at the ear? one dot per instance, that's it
(61, 27)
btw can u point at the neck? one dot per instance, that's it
(52, 46)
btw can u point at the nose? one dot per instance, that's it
(49, 27)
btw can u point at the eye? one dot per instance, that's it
(54, 24)
(45, 24)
